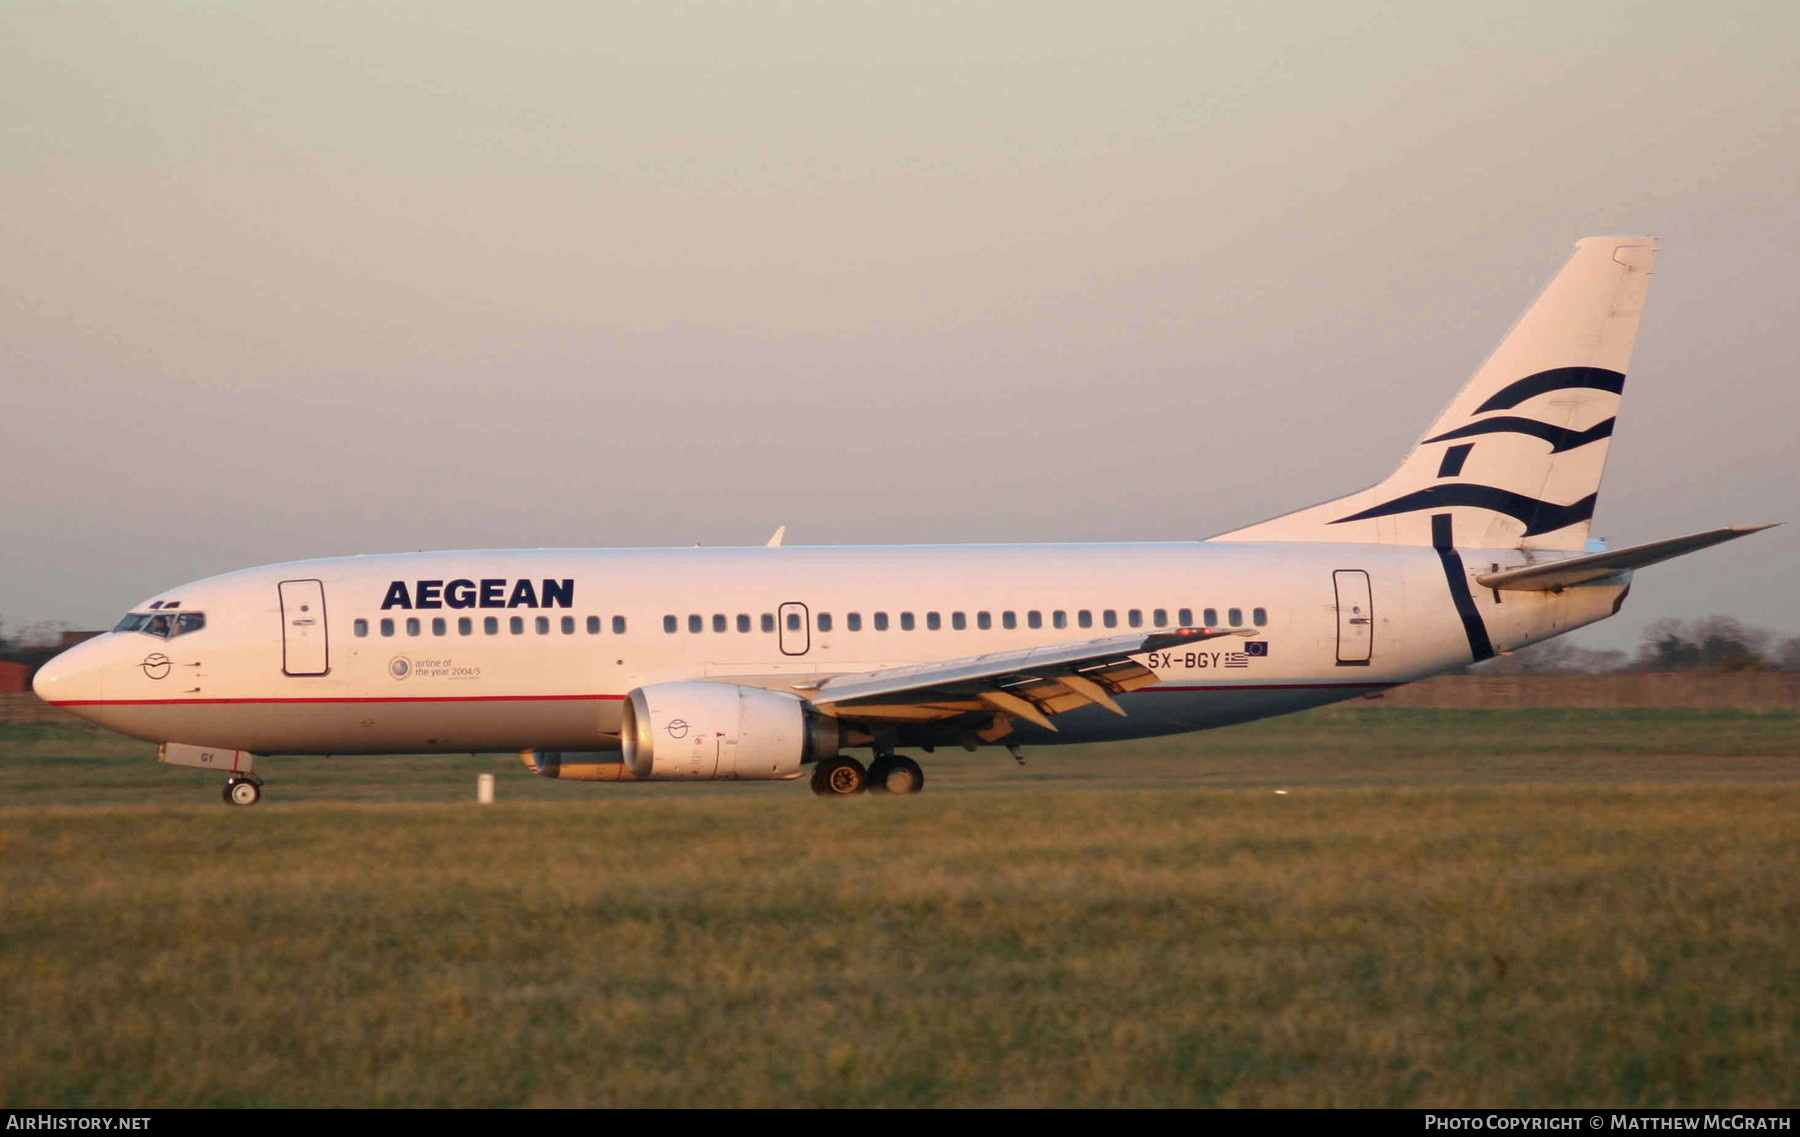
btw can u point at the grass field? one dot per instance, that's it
(1444, 908)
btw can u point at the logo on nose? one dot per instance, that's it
(156, 665)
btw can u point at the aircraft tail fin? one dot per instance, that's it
(1515, 460)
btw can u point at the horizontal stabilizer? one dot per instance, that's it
(1595, 566)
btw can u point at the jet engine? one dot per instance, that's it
(577, 765)
(719, 731)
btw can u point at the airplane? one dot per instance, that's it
(622, 665)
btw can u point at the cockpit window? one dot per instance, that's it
(164, 625)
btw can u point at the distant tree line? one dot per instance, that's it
(32, 645)
(1707, 643)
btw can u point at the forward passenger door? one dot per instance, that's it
(304, 647)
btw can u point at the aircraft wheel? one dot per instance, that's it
(839, 777)
(896, 774)
(242, 793)
(902, 776)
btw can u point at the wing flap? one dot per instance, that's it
(1597, 566)
(1030, 683)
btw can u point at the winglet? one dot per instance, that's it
(775, 541)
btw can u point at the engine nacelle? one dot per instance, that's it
(577, 765)
(720, 731)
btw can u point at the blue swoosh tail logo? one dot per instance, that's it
(1560, 438)
(1556, 379)
(1537, 516)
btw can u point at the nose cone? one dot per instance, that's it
(76, 677)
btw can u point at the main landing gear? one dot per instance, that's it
(842, 776)
(243, 791)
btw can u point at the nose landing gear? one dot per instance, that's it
(243, 791)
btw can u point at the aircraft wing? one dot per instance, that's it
(1580, 570)
(1030, 683)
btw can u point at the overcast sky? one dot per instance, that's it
(291, 280)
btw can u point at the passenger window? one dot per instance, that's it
(881, 623)
(618, 625)
(793, 621)
(543, 625)
(439, 625)
(1185, 617)
(412, 625)
(768, 621)
(824, 621)
(1237, 617)
(1110, 618)
(983, 621)
(568, 625)
(491, 625)
(1059, 618)
(958, 621)
(1034, 619)
(853, 621)
(743, 621)
(933, 621)
(906, 621)
(1212, 617)
(1259, 616)
(593, 625)
(387, 627)
(189, 622)
(465, 626)
(1009, 620)
(669, 624)
(516, 625)
(1160, 617)
(720, 623)
(696, 624)
(360, 628)
(1135, 618)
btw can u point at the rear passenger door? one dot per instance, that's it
(1355, 618)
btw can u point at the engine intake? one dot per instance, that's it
(720, 731)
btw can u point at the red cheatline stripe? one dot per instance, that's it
(398, 699)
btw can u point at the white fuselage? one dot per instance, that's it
(473, 666)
